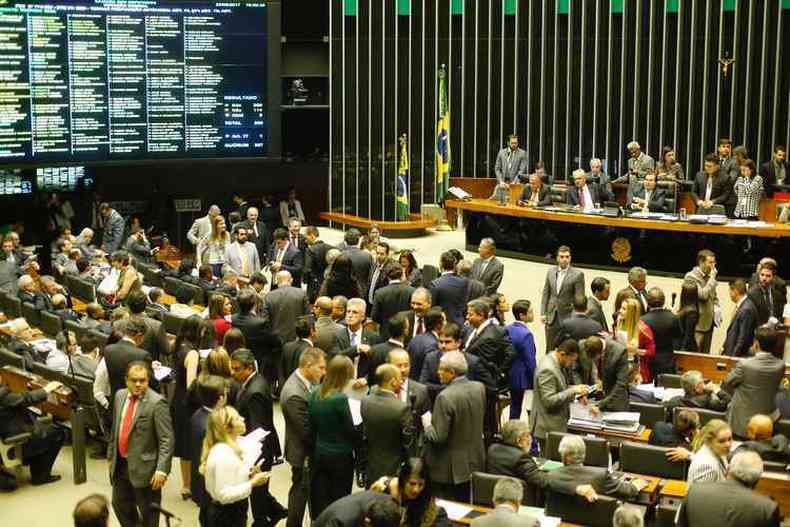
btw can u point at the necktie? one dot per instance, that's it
(709, 189)
(419, 328)
(769, 299)
(582, 200)
(373, 282)
(353, 339)
(126, 426)
(647, 199)
(294, 241)
(280, 256)
(255, 228)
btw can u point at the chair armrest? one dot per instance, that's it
(16, 439)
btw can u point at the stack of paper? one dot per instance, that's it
(251, 446)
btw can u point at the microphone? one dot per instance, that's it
(167, 514)
(674, 296)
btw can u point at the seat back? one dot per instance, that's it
(172, 323)
(483, 488)
(99, 336)
(31, 314)
(649, 414)
(198, 294)
(576, 509)
(782, 426)
(649, 460)
(665, 516)
(50, 324)
(82, 289)
(172, 284)
(9, 358)
(13, 307)
(151, 275)
(704, 415)
(597, 449)
(668, 380)
(78, 329)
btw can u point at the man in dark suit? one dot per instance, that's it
(284, 257)
(368, 508)
(325, 327)
(379, 272)
(776, 171)
(257, 233)
(574, 474)
(601, 290)
(535, 194)
(41, 450)
(449, 290)
(255, 404)
(733, 502)
(155, 338)
(666, 330)
(413, 393)
(314, 261)
(387, 424)
(397, 327)
(27, 293)
(264, 344)
(768, 292)
(355, 342)
(361, 261)
(421, 345)
(140, 449)
(740, 333)
(488, 268)
(679, 433)
(614, 372)
(580, 325)
(118, 356)
(284, 305)
(295, 236)
(293, 401)
(511, 457)
(698, 394)
(761, 439)
(455, 446)
(511, 162)
(583, 195)
(648, 198)
(292, 351)
(637, 281)
(711, 187)
(391, 299)
(563, 284)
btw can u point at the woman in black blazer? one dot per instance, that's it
(688, 314)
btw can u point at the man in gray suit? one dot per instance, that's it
(387, 424)
(140, 449)
(488, 268)
(733, 502)
(601, 290)
(454, 435)
(202, 226)
(242, 255)
(511, 162)
(284, 305)
(552, 396)
(508, 493)
(325, 327)
(704, 277)
(614, 374)
(753, 383)
(293, 400)
(563, 284)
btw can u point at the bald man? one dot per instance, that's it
(759, 432)
(325, 327)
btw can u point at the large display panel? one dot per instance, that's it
(119, 80)
(15, 183)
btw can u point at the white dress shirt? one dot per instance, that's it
(227, 476)
(561, 278)
(588, 201)
(101, 385)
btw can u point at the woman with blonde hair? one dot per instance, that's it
(636, 336)
(211, 249)
(229, 480)
(711, 447)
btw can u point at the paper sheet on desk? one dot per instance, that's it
(43, 345)
(355, 405)
(455, 511)
(251, 445)
(161, 372)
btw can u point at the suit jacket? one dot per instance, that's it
(314, 266)
(293, 401)
(449, 292)
(665, 434)
(511, 166)
(112, 237)
(504, 516)
(666, 329)
(118, 356)
(557, 307)
(475, 289)
(753, 383)
(776, 448)
(572, 197)
(263, 343)
(361, 262)
(293, 262)
(727, 504)
(595, 312)
(343, 347)
(740, 333)
(376, 357)
(551, 399)
(350, 510)
(201, 228)
(325, 331)
(292, 352)
(255, 404)
(198, 424)
(151, 440)
(778, 295)
(657, 198)
(455, 437)
(568, 477)
(235, 254)
(283, 306)
(722, 188)
(509, 460)
(614, 376)
(768, 171)
(387, 423)
(522, 370)
(419, 347)
(429, 375)
(717, 402)
(417, 393)
(381, 280)
(706, 292)
(155, 340)
(492, 345)
(492, 276)
(14, 416)
(389, 301)
(580, 326)
(261, 241)
(544, 196)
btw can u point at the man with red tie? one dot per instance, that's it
(140, 449)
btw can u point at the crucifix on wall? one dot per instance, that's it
(725, 63)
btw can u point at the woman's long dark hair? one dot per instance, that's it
(689, 298)
(189, 334)
(416, 508)
(342, 280)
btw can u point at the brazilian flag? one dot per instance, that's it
(402, 193)
(442, 139)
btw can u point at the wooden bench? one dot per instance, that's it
(713, 367)
(414, 226)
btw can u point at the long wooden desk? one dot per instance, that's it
(491, 207)
(713, 367)
(614, 438)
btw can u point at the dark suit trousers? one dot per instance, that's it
(264, 506)
(551, 333)
(40, 453)
(332, 477)
(132, 505)
(297, 498)
(516, 403)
